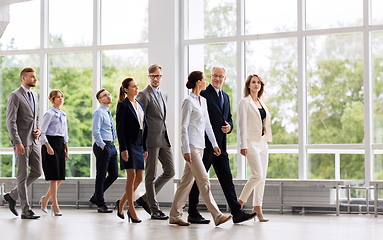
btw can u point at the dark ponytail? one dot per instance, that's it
(193, 78)
(125, 84)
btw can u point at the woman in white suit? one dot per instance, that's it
(254, 131)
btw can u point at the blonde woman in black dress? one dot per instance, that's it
(54, 152)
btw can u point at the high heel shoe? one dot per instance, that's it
(57, 214)
(132, 219)
(261, 219)
(42, 199)
(117, 207)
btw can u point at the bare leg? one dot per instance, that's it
(129, 190)
(241, 202)
(53, 187)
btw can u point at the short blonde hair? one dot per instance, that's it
(53, 94)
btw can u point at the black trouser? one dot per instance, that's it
(106, 162)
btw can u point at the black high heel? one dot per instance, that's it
(117, 207)
(132, 219)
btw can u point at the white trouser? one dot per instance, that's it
(258, 158)
(195, 170)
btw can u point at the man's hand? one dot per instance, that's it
(217, 151)
(125, 155)
(226, 128)
(20, 149)
(36, 133)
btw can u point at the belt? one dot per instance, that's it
(109, 142)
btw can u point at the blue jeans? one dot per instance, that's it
(106, 162)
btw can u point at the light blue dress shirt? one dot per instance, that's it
(102, 126)
(195, 121)
(54, 124)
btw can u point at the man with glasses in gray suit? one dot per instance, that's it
(154, 101)
(22, 123)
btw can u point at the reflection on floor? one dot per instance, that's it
(86, 223)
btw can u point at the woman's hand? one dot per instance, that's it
(244, 152)
(145, 155)
(125, 155)
(217, 151)
(187, 157)
(49, 149)
(66, 156)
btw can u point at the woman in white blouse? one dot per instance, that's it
(254, 131)
(54, 152)
(195, 121)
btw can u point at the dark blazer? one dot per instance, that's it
(128, 126)
(217, 116)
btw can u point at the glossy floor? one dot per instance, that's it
(86, 223)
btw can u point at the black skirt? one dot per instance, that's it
(54, 165)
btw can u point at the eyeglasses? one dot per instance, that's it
(155, 76)
(218, 76)
(106, 95)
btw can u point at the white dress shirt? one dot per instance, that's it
(195, 121)
(139, 113)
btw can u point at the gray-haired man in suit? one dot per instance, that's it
(154, 101)
(22, 123)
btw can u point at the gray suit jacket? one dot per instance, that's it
(20, 118)
(155, 118)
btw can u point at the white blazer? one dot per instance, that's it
(250, 123)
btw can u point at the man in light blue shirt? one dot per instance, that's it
(104, 134)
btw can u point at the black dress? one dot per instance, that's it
(54, 165)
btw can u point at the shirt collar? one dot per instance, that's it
(216, 89)
(155, 90)
(193, 95)
(25, 89)
(104, 107)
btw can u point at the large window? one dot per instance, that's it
(317, 79)
(68, 55)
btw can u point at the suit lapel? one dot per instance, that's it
(252, 103)
(154, 97)
(130, 105)
(214, 93)
(26, 97)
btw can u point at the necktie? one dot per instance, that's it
(31, 100)
(220, 99)
(159, 98)
(112, 126)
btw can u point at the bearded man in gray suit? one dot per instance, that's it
(22, 123)
(154, 101)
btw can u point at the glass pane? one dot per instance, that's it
(275, 61)
(132, 19)
(378, 166)
(351, 166)
(283, 165)
(212, 18)
(72, 74)
(321, 166)
(333, 13)
(18, 34)
(377, 71)
(10, 81)
(70, 23)
(6, 165)
(233, 167)
(376, 9)
(280, 16)
(335, 89)
(203, 58)
(120, 64)
(78, 165)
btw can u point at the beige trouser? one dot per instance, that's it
(258, 158)
(194, 170)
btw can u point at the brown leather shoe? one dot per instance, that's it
(179, 222)
(223, 219)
